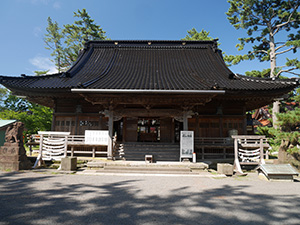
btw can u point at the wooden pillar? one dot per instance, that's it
(94, 152)
(66, 146)
(53, 125)
(173, 130)
(244, 121)
(185, 121)
(197, 134)
(261, 148)
(76, 124)
(221, 126)
(236, 165)
(110, 133)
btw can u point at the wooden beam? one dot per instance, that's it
(110, 133)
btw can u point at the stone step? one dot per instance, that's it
(156, 157)
(146, 148)
(147, 169)
(142, 167)
(160, 151)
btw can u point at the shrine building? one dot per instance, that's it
(148, 91)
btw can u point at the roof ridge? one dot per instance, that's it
(268, 80)
(151, 43)
(23, 76)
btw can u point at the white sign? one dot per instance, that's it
(186, 144)
(96, 137)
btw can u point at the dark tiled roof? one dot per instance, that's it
(148, 65)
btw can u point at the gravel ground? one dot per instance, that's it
(51, 198)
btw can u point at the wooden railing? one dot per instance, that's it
(213, 141)
(213, 148)
(205, 147)
(76, 145)
(223, 148)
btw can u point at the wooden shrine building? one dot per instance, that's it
(147, 91)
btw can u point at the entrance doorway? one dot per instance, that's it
(148, 129)
(178, 128)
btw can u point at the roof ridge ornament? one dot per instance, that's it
(215, 45)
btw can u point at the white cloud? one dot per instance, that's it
(37, 31)
(40, 1)
(43, 63)
(56, 5)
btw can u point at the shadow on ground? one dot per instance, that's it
(40, 200)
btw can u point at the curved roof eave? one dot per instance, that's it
(143, 65)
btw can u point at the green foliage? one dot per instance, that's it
(262, 74)
(194, 35)
(14, 103)
(3, 94)
(40, 72)
(257, 73)
(296, 96)
(53, 40)
(263, 20)
(35, 117)
(289, 130)
(67, 43)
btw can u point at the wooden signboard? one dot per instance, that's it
(186, 144)
(96, 137)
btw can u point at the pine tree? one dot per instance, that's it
(264, 20)
(194, 35)
(67, 43)
(77, 34)
(53, 39)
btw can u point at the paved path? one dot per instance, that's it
(50, 198)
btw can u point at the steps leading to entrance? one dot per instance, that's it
(169, 170)
(147, 168)
(160, 151)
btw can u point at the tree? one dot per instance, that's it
(257, 73)
(53, 39)
(67, 43)
(194, 35)
(40, 72)
(35, 117)
(264, 20)
(285, 139)
(3, 94)
(81, 31)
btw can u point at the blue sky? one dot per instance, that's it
(23, 25)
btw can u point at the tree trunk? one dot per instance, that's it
(282, 152)
(276, 104)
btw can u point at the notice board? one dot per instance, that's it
(96, 137)
(186, 144)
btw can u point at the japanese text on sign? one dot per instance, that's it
(96, 137)
(186, 144)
